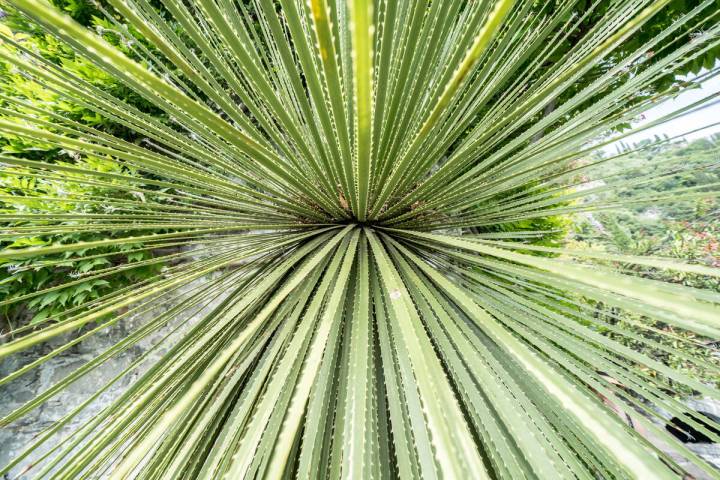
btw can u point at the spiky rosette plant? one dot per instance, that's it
(326, 189)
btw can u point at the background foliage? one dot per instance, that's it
(24, 194)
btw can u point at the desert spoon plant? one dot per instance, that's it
(325, 187)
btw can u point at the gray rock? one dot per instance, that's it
(15, 437)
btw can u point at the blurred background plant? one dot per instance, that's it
(688, 230)
(22, 191)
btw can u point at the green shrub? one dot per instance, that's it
(22, 191)
(23, 194)
(321, 164)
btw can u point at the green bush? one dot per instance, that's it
(323, 163)
(60, 195)
(23, 192)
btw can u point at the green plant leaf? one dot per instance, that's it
(339, 234)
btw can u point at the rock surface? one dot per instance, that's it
(15, 437)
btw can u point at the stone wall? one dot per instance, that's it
(15, 437)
